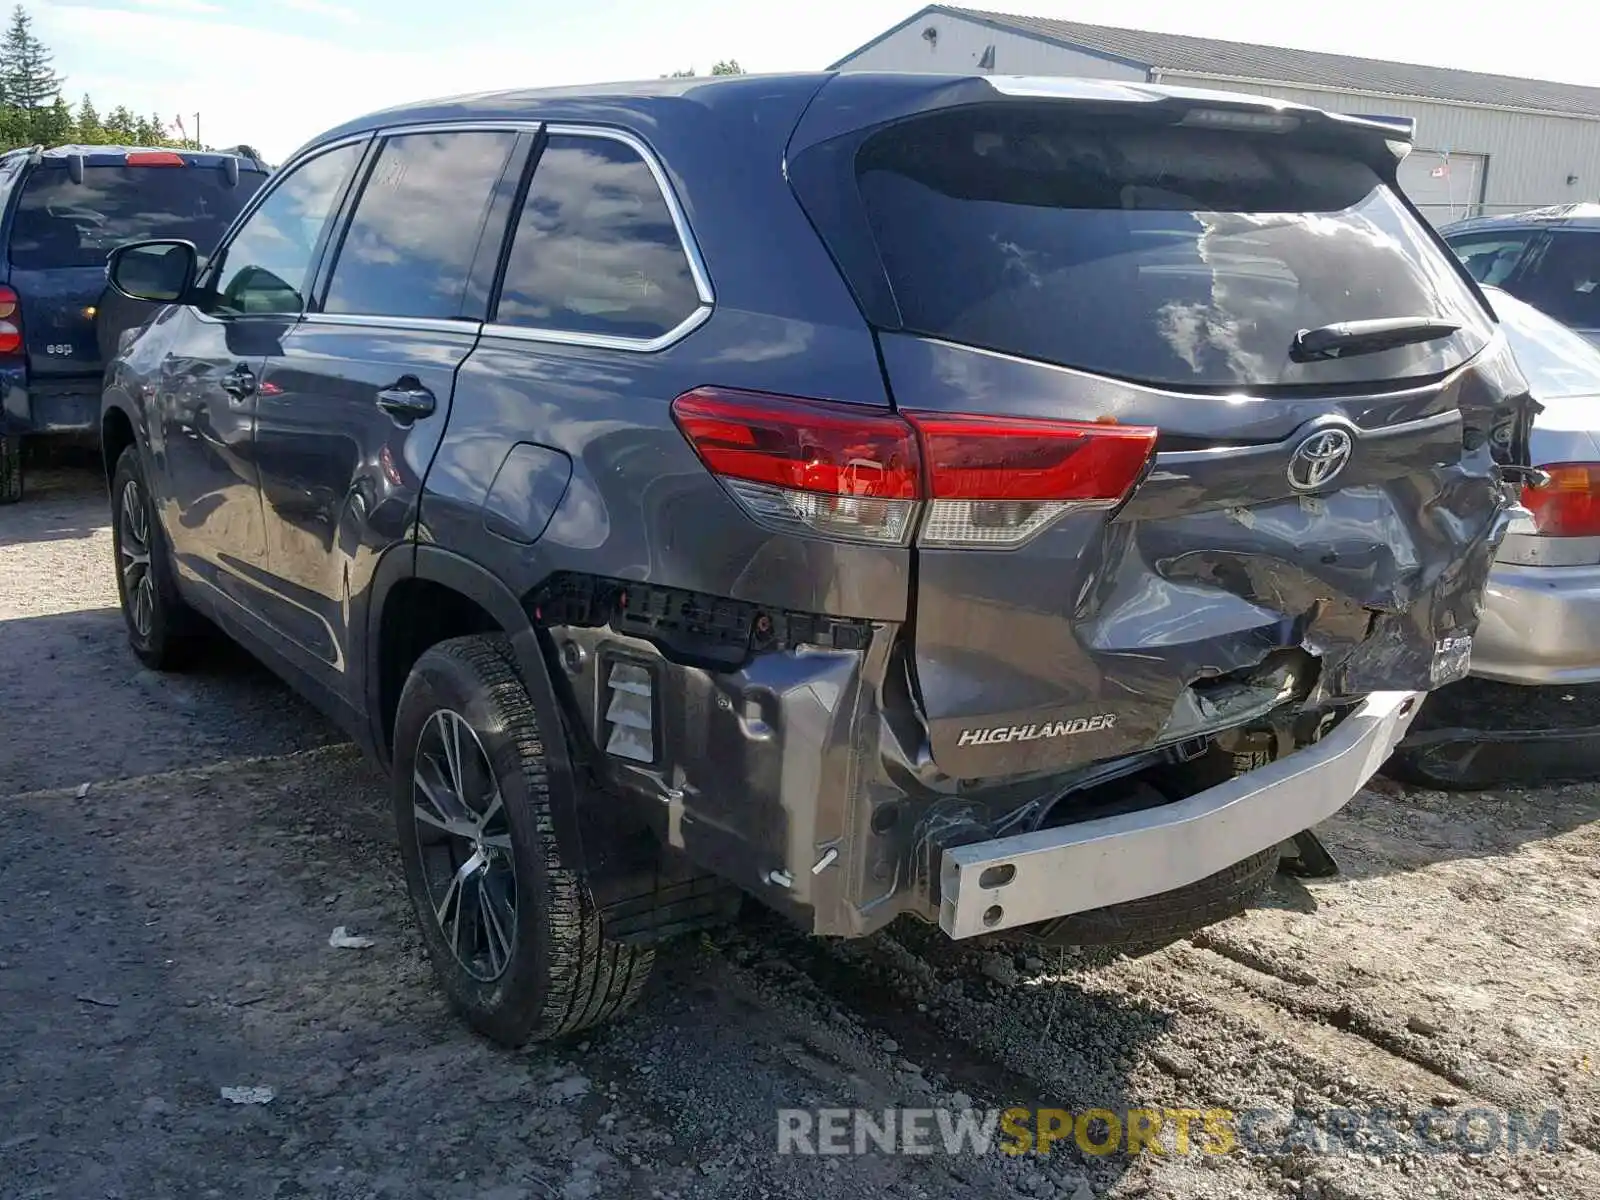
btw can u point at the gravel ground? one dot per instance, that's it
(165, 936)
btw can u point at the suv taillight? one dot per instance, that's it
(996, 481)
(10, 322)
(860, 474)
(1569, 505)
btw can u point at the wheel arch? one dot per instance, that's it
(408, 566)
(116, 435)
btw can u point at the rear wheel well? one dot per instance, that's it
(417, 614)
(116, 435)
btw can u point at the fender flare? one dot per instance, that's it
(462, 575)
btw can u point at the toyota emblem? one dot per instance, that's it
(1317, 461)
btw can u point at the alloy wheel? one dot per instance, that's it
(465, 843)
(133, 549)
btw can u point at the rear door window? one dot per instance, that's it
(1179, 256)
(410, 244)
(596, 252)
(60, 223)
(1565, 279)
(1490, 258)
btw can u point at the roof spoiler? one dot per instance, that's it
(1406, 127)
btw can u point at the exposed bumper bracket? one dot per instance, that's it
(999, 884)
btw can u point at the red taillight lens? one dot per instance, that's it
(996, 481)
(10, 322)
(809, 465)
(1569, 505)
(857, 473)
(154, 158)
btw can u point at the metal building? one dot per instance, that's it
(1485, 143)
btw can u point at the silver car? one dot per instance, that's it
(1541, 623)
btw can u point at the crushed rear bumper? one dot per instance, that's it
(1031, 877)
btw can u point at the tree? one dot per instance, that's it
(87, 128)
(51, 125)
(728, 66)
(27, 78)
(121, 125)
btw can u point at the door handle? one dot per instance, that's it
(407, 401)
(240, 383)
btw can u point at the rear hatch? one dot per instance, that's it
(1167, 485)
(69, 217)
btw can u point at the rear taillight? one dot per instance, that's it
(996, 481)
(10, 322)
(860, 474)
(1569, 505)
(806, 465)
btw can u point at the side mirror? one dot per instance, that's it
(162, 272)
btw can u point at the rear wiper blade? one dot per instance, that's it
(1347, 338)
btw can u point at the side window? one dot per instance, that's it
(595, 251)
(1489, 258)
(409, 248)
(1565, 282)
(267, 266)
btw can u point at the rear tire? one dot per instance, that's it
(10, 469)
(509, 924)
(161, 627)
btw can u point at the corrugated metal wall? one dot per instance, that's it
(960, 45)
(1529, 157)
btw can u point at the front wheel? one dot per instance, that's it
(509, 924)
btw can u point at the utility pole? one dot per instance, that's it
(198, 144)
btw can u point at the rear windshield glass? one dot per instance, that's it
(1556, 361)
(1179, 256)
(59, 223)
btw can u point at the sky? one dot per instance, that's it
(275, 73)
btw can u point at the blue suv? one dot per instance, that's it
(62, 212)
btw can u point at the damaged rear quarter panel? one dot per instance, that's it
(1081, 644)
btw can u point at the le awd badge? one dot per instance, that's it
(1033, 733)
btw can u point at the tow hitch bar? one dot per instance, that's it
(1309, 858)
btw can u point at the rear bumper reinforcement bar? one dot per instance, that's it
(985, 886)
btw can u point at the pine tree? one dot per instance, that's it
(27, 76)
(88, 127)
(51, 124)
(121, 125)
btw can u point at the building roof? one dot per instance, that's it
(1179, 53)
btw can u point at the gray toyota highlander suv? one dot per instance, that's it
(1020, 504)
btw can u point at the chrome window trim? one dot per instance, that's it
(602, 341)
(522, 333)
(686, 243)
(437, 324)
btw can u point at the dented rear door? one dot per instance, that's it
(1319, 513)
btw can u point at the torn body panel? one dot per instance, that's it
(1101, 630)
